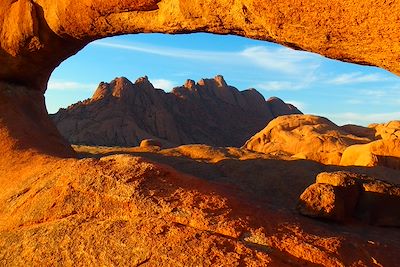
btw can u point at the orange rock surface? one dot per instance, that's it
(210, 207)
(383, 152)
(342, 195)
(36, 36)
(125, 209)
(304, 137)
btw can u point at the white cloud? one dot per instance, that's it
(362, 119)
(296, 83)
(167, 51)
(278, 86)
(282, 60)
(300, 105)
(69, 85)
(374, 93)
(357, 77)
(164, 84)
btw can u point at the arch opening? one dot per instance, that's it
(127, 210)
(344, 93)
(48, 33)
(358, 91)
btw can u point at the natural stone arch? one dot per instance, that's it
(47, 204)
(37, 35)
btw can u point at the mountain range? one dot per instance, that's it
(122, 113)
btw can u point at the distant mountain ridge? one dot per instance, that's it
(122, 113)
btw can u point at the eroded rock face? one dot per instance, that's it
(344, 196)
(36, 36)
(150, 143)
(304, 137)
(122, 113)
(385, 151)
(25, 128)
(122, 210)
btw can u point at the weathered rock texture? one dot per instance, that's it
(210, 112)
(343, 196)
(36, 36)
(123, 210)
(304, 137)
(238, 210)
(385, 151)
(25, 128)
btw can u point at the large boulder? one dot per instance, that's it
(386, 131)
(383, 152)
(306, 137)
(324, 201)
(150, 143)
(344, 196)
(333, 196)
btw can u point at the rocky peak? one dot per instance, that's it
(144, 83)
(189, 84)
(115, 88)
(102, 91)
(142, 80)
(220, 81)
(131, 112)
(280, 108)
(120, 86)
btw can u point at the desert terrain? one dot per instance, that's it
(287, 189)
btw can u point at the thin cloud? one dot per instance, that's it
(357, 77)
(377, 97)
(278, 86)
(374, 93)
(69, 85)
(362, 119)
(164, 84)
(300, 105)
(166, 51)
(298, 83)
(282, 60)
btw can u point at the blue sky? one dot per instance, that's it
(343, 92)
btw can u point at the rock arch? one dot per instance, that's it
(37, 35)
(126, 210)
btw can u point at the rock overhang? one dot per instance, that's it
(36, 36)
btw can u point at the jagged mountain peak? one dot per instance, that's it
(209, 112)
(217, 81)
(120, 87)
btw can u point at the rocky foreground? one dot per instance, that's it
(196, 205)
(56, 209)
(193, 205)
